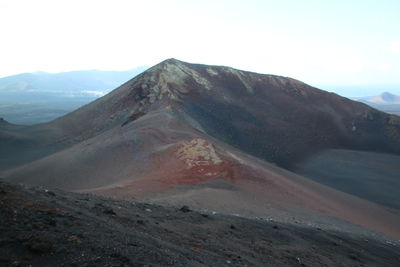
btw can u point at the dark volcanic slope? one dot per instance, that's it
(285, 119)
(343, 169)
(52, 228)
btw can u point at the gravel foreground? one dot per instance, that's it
(39, 227)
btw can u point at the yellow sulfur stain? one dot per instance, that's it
(198, 152)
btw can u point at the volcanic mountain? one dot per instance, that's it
(216, 138)
(386, 102)
(385, 98)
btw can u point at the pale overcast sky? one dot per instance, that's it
(325, 43)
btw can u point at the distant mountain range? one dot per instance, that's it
(386, 102)
(86, 83)
(30, 98)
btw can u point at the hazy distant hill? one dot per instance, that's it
(386, 102)
(73, 83)
(30, 98)
(385, 98)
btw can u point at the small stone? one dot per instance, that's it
(39, 245)
(37, 225)
(74, 238)
(109, 211)
(52, 222)
(354, 257)
(185, 209)
(51, 193)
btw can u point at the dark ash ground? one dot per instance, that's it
(39, 227)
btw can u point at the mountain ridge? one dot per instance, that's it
(69, 81)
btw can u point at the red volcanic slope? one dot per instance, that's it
(202, 175)
(183, 133)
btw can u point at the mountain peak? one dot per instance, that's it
(176, 80)
(386, 98)
(172, 60)
(389, 97)
(3, 121)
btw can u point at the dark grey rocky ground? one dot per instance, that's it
(39, 227)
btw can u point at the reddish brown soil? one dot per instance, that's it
(251, 187)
